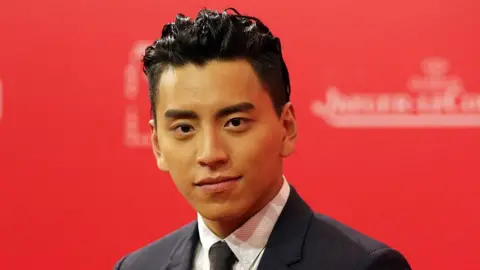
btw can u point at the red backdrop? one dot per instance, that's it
(387, 95)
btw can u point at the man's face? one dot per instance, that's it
(219, 137)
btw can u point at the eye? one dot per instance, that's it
(183, 128)
(236, 123)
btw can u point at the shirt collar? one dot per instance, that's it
(248, 241)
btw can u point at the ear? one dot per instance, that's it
(161, 163)
(289, 123)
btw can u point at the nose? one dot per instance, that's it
(212, 152)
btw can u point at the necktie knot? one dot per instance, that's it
(221, 256)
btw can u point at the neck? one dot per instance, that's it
(223, 228)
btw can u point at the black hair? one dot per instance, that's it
(219, 36)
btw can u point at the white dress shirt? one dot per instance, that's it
(247, 242)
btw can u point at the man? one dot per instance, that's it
(222, 125)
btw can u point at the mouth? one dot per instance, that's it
(210, 181)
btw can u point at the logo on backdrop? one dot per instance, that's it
(434, 99)
(134, 136)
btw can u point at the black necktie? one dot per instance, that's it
(221, 257)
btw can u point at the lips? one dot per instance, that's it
(216, 180)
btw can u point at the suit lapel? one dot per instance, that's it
(183, 253)
(284, 247)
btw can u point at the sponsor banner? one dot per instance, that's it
(134, 136)
(432, 100)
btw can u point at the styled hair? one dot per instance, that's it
(219, 36)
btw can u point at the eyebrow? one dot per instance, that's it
(187, 114)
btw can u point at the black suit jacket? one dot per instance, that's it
(300, 240)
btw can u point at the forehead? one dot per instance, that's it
(216, 84)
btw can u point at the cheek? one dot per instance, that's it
(178, 157)
(261, 147)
